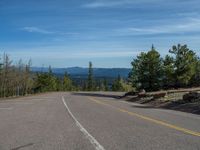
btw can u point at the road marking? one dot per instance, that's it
(92, 140)
(148, 118)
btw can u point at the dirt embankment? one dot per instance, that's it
(186, 100)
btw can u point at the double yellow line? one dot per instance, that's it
(148, 118)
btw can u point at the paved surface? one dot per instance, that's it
(93, 121)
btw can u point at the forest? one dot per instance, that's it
(150, 71)
(19, 80)
(180, 68)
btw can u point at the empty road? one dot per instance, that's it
(93, 121)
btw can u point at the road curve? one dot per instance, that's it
(93, 121)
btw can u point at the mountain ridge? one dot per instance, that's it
(98, 72)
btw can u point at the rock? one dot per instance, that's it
(159, 95)
(132, 93)
(191, 97)
(142, 93)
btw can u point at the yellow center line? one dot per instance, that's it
(148, 118)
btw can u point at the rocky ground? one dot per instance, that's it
(182, 101)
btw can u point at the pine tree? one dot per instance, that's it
(168, 72)
(67, 83)
(184, 64)
(1, 77)
(7, 78)
(90, 78)
(105, 83)
(117, 86)
(147, 71)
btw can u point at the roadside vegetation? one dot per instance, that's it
(15, 80)
(171, 81)
(18, 80)
(180, 68)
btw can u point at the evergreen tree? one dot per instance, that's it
(84, 86)
(105, 83)
(1, 77)
(67, 83)
(28, 82)
(147, 71)
(184, 64)
(195, 80)
(52, 81)
(46, 81)
(7, 76)
(117, 86)
(90, 78)
(168, 72)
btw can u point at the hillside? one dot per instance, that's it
(78, 71)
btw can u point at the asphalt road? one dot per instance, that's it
(93, 121)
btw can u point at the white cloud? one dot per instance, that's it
(69, 33)
(36, 29)
(128, 3)
(113, 3)
(43, 31)
(103, 4)
(189, 14)
(184, 26)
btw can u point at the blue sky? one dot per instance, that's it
(110, 33)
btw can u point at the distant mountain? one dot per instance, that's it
(78, 71)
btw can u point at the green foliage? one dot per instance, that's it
(195, 80)
(168, 72)
(184, 64)
(180, 69)
(90, 85)
(14, 80)
(117, 84)
(105, 84)
(1, 67)
(67, 83)
(121, 85)
(126, 86)
(45, 82)
(147, 70)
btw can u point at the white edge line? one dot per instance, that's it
(92, 140)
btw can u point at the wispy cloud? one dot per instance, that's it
(43, 31)
(37, 30)
(186, 26)
(128, 3)
(189, 14)
(68, 33)
(97, 4)
(113, 3)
